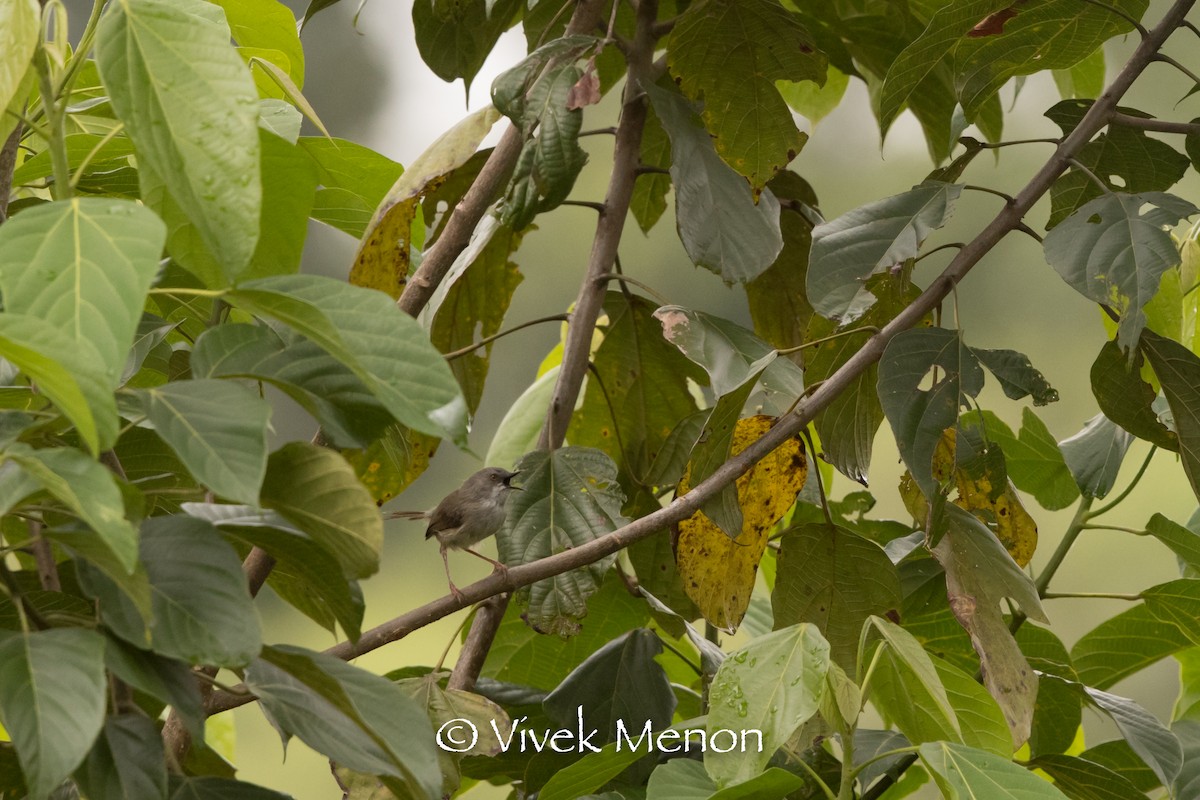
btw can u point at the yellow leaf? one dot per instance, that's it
(392, 462)
(717, 571)
(998, 507)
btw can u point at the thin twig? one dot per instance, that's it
(938, 249)
(453, 354)
(593, 205)
(998, 145)
(1132, 485)
(787, 351)
(975, 188)
(617, 276)
(1156, 125)
(1093, 177)
(1166, 59)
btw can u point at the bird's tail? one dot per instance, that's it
(406, 515)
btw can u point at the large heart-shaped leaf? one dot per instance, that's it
(571, 496)
(52, 699)
(168, 67)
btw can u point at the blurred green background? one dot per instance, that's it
(368, 84)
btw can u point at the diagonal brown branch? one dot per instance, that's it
(1009, 219)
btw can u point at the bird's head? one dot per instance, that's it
(494, 481)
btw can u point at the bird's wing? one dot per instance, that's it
(447, 516)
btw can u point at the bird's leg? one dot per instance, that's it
(453, 589)
(499, 567)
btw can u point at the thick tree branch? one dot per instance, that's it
(456, 234)
(1009, 219)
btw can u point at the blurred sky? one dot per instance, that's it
(369, 85)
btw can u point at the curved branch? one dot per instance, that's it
(1009, 219)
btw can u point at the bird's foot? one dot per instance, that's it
(458, 595)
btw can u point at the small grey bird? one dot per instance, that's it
(468, 515)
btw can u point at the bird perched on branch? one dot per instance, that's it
(467, 516)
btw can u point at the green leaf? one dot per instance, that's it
(813, 102)
(685, 779)
(639, 392)
(190, 107)
(219, 431)
(919, 416)
(269, 25)
(110, 154)
(847, 426)
(722, 227)
(1112, 252)
(52, 698)
(1017, 376)
(316, 490)
(126, 762)
(948, 26)
(289, 185)
(88, 489)
(1081, 779)
(1032, 458)
(354, 181)
(570, 496)
(1178, 369)
(620, 682)
(1148, 737)
(1124, 158)
(347, 411)
(1178, 603)
(392, 462)
(305, 574)
(878, 236)
(512, 91)
(166, 680)
(1094, 455)
(1085, 80)
(774, 684)
(209, 788)
(907, 688)
(1126, 399)
(965, 773)
(730, 354)
(729, 53)
(20, 29)
(1123, 645)
(1188, 781)
(980, 717)
(517, 433)
(523, 656)
(835, 579)
(979, 575)
(649, 199)
(455, 38)
(364, 329)
(84, 266)
(1183, 542)
(202, 612)
(1051, 35)
(359, 720)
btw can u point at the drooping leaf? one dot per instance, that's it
(835, 579)
(721, 226)
(358, 719)
(1018, 378)
(813, 102)
(219, 431)
(127, 761)
(329, 390)
(880, 235)
(19, 24)
(729, 53)
(718, 571)
(639, 390)
(83, 265)
(518, 431)
(774, 684)
(385, 251)
(267, 24)
(909, 689)
(1124, 158)
(1052, 35)
(570, 496)
(1085, 80)
(316, 490)
(847, 426)
(305, 574)
(1178, 369)
(1112, 252)
(289, 186)
(169, 66)
(649, 200)
(70, 373)
(394, 460)
(354, 180)
(620, 682)
(964, 773)
(88, 490)
(948, 26)
(167, 680)
(52, 698)
(1148, 737)
(1126, 399)
(1184, 543)
(363, 329)
(1094, 455)
(919, 416)
(979, 575)
(455, 38)
(1123, 645)
(202, 612)
(1081, 779)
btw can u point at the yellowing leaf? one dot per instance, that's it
(392, 462)
(717, 571)
(997, 505)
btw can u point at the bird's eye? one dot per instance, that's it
(495, 479)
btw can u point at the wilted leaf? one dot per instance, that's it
(718, 572)
(1018, 378)
(1032, 458)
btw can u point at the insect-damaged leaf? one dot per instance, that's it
(718, 572)
(979, 575)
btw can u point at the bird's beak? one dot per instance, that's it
(508, 481)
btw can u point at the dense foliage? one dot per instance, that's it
(155, 193)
